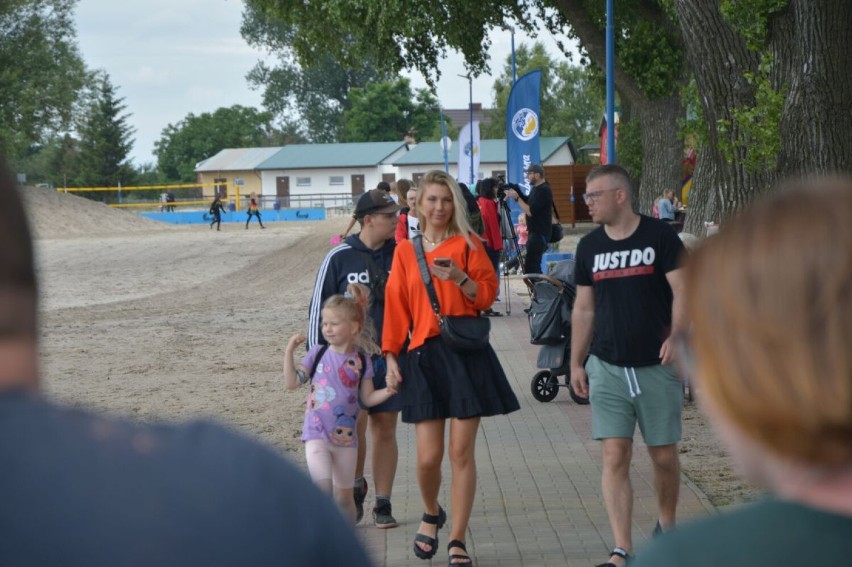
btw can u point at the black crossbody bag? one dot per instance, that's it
(462, 333)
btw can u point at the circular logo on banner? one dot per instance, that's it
(525, 124)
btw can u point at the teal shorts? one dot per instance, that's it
(620, 396)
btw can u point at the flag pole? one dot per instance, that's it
(610, 84)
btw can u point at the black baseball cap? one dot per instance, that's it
(535, 168)
(375, 201)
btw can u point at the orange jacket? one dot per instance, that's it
(407, 304)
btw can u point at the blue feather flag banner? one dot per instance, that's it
(523, 124)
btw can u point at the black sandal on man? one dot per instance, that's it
(456, 556)
(439, 521)
(620, 552)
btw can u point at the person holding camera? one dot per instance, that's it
(538, 206)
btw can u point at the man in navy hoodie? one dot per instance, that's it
(366, 258)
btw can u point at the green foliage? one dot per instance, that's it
(752, 136)
(196, 138)
(317, 90)
(751, 18)
(648, 54)
(41, 72)
(389, 110)
(105, 140)
(629, 146)
(572, 97)
(693, 127)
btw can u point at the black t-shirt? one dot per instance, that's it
(78, 489)
(540, 201)
(633, 299)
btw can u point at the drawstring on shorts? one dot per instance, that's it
(630, 386)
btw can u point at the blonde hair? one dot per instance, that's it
(353, 306)
(771, 305)
(459, 223)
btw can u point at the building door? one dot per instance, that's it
(389, 177)
(221, 187)
(282, 190)
(416, 177)
(357, 187)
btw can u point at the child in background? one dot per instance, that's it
(340, 371)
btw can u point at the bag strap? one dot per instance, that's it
(424, 273)
(555, 212)
(321, 353)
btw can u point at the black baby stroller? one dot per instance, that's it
(550, 326)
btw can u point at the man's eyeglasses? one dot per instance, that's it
(589, 197)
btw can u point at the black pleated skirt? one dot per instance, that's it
(438, 383)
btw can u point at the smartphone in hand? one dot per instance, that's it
(443, 262)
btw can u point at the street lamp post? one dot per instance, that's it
(470, 120)
(610, 84)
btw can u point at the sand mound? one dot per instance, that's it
(54, 214)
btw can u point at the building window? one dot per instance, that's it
(303, 182)
(335, 180)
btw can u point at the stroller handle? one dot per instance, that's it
(531, 279)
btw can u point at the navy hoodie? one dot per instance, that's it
(345, 264)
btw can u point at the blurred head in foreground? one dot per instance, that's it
(770, 299)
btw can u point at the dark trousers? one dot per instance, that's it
(536, 245)
(257, 214)
(494, 256)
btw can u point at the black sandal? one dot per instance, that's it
(621, 552)
(439, 521)
(460, 545)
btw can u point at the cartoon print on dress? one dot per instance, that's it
(344, 428)
(322, 394)
(350, 371)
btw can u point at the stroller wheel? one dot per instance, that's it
(577, 399)
(544, 386)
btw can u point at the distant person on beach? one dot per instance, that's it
(216, 209)
(382, 186)
(340, 373)
(629, 305)
(366, 258)
(440, 388)
(253, 211)
(82, 489)
(770, 351)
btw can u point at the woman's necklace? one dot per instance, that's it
(434, 242)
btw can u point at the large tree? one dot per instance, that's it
(389, 110)
(312, 95)
(105, 139)
(572, 98)
(195, 138)
(41, 72)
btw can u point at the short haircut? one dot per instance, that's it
(18, 291)
(614, 170)
(771, 306)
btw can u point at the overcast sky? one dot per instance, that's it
(169, 58)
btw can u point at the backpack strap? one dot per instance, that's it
(363, 363)
(320, 354)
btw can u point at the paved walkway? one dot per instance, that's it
(538, 499)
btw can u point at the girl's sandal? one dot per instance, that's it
(430, 541)
(457, 557)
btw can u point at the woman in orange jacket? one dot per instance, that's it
(437, 384)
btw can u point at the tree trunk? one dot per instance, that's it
(811, 44)
(662, 148)
(720, 60)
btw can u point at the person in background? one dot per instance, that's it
(771, 352)
(665, 206)
(340, 372)
(487, 202)
(382, 186)
(216, 209)
(253, 210)
(82, 489)
(436, 383)
(538, 206)
(366, 258)
(629, 305)
(409, 225)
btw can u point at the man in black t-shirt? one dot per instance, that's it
(538, 206)
(629, 304)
